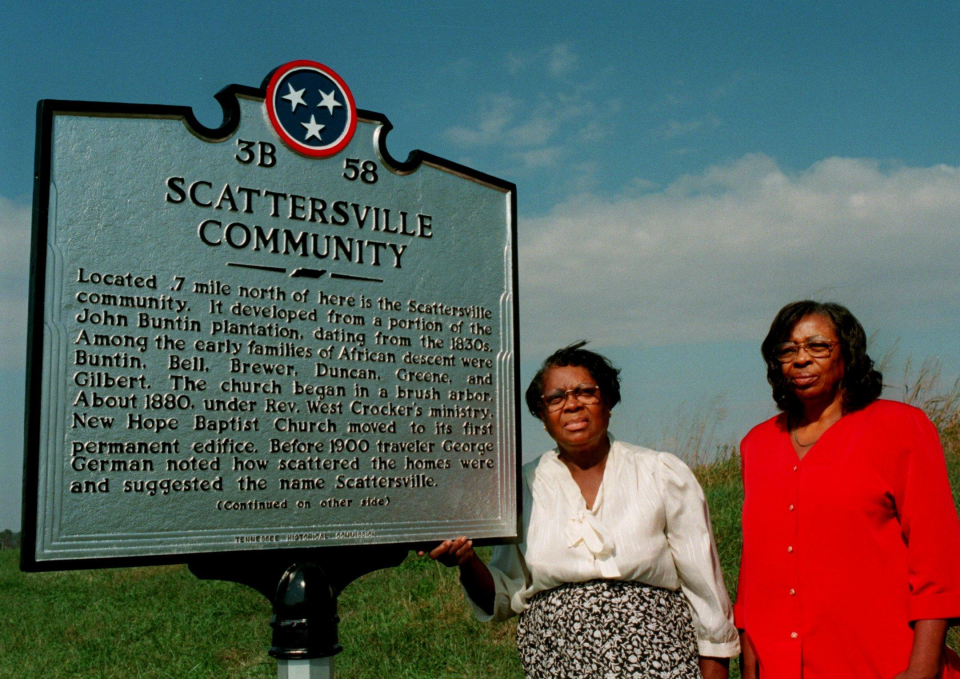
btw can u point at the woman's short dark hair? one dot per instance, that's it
(861, 383)
(601, 369)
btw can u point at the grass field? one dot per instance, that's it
(406, 622)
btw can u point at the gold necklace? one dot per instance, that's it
(804, 445)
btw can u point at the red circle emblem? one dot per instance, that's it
(311, 108)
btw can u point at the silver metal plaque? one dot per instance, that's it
(241, 344)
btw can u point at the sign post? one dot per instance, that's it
(266, 346)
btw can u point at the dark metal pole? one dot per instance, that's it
(302, 586)
(304, 623)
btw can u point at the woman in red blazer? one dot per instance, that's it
(851, 542)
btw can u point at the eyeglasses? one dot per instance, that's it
(816, 348)
(586, 394)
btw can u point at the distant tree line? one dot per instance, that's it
(9, 539)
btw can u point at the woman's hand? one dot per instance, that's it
(474, 574)
(926, 657)
(909, 674)
(748, 658)
(452, 552)
(919, 674)
(714, 668)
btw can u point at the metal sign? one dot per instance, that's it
(266, 335)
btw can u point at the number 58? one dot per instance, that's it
(365, 171)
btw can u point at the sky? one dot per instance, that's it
(683, 169)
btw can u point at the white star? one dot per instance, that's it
(295, 97)
(329, 100)
(313, 129)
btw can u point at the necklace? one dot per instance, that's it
(804, 445)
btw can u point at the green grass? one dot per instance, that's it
(163, 622)
(150, 622)
(406, 622)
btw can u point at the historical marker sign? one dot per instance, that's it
(267, 335)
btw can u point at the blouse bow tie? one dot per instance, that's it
(586, 529)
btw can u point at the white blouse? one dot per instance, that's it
(649, 523)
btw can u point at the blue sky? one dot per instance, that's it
(683, 169)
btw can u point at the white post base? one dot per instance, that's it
(314, 668)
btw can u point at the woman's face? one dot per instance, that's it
(815, 379)
(575, 426)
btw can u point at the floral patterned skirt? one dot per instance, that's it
(608, 628)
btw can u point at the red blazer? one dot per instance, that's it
(844, 548)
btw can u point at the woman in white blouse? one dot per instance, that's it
(617, 572)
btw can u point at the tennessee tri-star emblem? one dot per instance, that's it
(311, 108)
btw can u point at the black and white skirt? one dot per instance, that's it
(608, 628)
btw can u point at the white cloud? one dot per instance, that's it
(680, 128)
(505, 121)
(713, 256)
(557, 60)
(729, 86)
(542, 157)
(683, 93)
(14, 271)
(547, 128)
(497, 113)
(561, 60)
